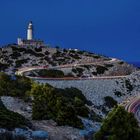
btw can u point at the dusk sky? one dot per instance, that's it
(109, 27)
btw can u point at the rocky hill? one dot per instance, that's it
(62, 107)
(83, 64)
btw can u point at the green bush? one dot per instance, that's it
(109, 65)
(95, 117)
(75, 56)
(121, 62)
(20, 62)
(30, 51)
(62, 105)
(118, 93)
(110, 102)
(128, 85)
(15, 55)
(119, 125)
(96, 56)
(51, 73)
(20, 49)
(79, 71)
(11, 120)
(74, 70)
(101, 69)
(17, 87)
(3, 66)
(38, 49)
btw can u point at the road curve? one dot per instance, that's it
(22, 71)
(133, 106)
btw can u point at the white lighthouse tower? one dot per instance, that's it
(30, 31)
(30, 41)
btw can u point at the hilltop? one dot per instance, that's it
(83, 63)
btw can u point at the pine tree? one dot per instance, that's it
(119, 125)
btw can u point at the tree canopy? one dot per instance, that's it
(119, 125)
(62, 105)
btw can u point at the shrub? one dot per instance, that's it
(74, 70)
(30, 51)
(20, 49)
(94, 73)
(20, 62)
(128, 85)
(101, 69)
(119, 125)
(15, 55)
(121, 62)
(47, 53)
(118, 93)
(51, 73)
(62, 105)
(110, 102)
(11, 120)
(80, 70)
(3, 66)
(109, 65)
(14, 87)
(96, 56)
(75, 56)
(38, 49)
(95, 117)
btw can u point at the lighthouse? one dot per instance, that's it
(30, 31)
(30, 41)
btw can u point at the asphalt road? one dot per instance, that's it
(133, 106)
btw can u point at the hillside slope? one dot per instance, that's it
(81, 63)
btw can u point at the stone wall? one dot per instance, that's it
(96, 90)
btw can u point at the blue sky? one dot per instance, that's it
(109, 27)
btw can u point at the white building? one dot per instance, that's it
(30, 41)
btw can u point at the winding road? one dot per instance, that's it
(22, 71)
(133, 106)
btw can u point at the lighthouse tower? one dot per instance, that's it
(30, 31)
(30, 41)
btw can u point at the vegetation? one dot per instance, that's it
(79, 71)
(51, 73)
(109, 65)
(20, 62)
(38, 49)
(3, 66)
(15, 55)
(121, 62)
(62, 105)
(20, 49)
(75, 56)
(101, 69)
(128, 85)
(16, 86)
(11, 120)
(110, 102)
(119, 125)
(32, 52)
(95, 117)
(118, 93)
(96, 56)
(10, 136)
